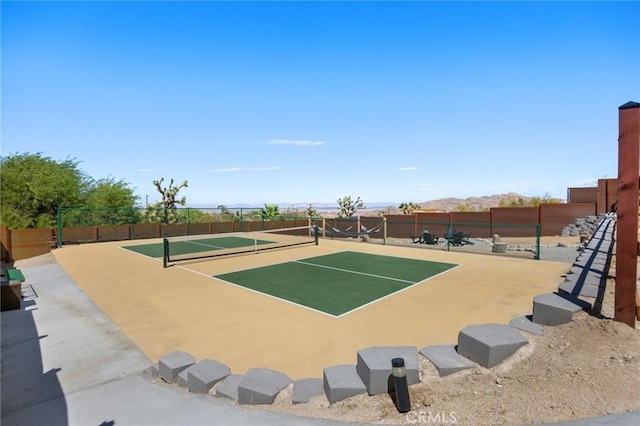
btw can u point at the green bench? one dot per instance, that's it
(14, 275)
(12, 290)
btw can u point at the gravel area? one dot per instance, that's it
(559, 254)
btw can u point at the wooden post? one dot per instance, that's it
(627, 227)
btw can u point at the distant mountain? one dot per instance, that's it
(442, 204)
(476, 203)
(473, 203)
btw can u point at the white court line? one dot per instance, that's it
(396, 292)
(311, 264)
(353, 272)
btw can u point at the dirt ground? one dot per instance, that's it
(589, 367)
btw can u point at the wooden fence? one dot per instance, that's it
(25, 243)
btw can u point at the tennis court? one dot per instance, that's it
(188, 307)
(337, 283)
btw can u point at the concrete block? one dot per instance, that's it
(151, 371)
(305, 389)
(574, 288)
(173, 364)
(182, 378)
(489, 344)
(341, 382)
(446, 360)
(525, 324)
(229, 387)
(374, 366)
(261, 385)
(587, 280)
(205, 374)
(556, 309)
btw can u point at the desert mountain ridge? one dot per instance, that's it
(445, 204)
(475, 203)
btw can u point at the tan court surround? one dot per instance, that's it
(184, 308)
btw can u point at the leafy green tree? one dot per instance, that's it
(408, 208)
(109, 193)
(347, 207)
(512, 201)
(545, 199)
(34, 186)
(270, 212)
(112, 202)
(464, 207)
(166, 207)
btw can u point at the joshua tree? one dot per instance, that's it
(169, 194)
(347, 207)
(408, 208)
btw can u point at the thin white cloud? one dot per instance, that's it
(228, 170)
(295, 142)
(264, 169)
(247, 169)
(145, 170)
(429, 184)
(404, 169)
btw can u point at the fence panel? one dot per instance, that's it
(146, 230)
(473, 224)
(401, 226)
(114, 232)
(26, 243)
(554, 217)
(513, 215)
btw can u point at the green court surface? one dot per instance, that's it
(337, 283)
(198, 245)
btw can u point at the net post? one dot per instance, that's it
(165, 253)
(537, 256)
(255, 240)
(384, 230)
(316, 231)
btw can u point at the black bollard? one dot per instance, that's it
(399, 372)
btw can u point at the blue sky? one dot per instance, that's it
(307, 102)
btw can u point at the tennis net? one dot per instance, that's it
(212, 245)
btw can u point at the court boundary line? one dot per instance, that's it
(213, 277)
(414, 283)
(354, 272)
(398, 291)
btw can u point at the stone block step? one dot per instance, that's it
(446, 359)
(261, 386)
(173, 364)
(305, 389)
(229, 387)
(489, 344)
(201, 377)
(341, 382)
(556, 309)
(524, 323)
(374, 366)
